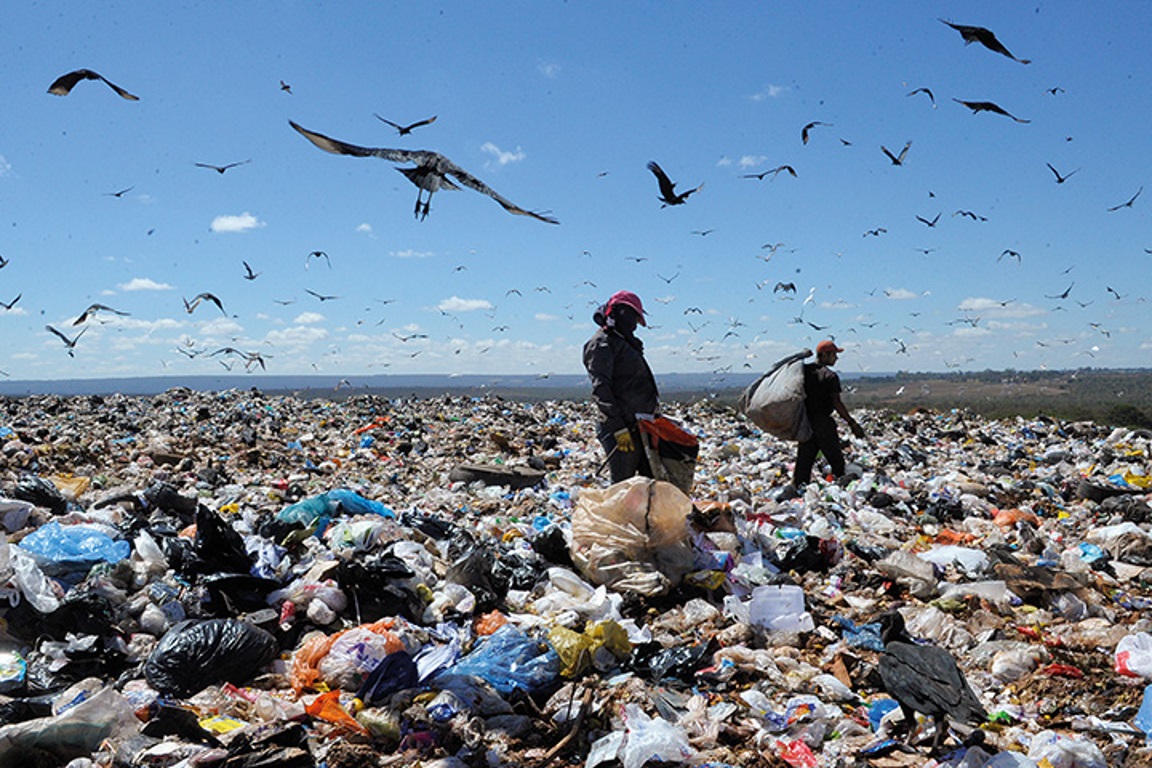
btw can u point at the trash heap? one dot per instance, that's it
(236, 579)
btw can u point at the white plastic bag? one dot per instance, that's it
(775, 401)
(651, 738)
(1134, 655)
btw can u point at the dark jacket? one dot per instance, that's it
(821, 384)
(622, 382)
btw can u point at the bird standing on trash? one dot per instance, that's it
(622, 384)
(925, 679)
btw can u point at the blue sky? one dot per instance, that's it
(559, 107)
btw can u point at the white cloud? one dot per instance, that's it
(997, 308)
(548, 68)
(144, 284)
(5, 166)
(900, 293)
(724, 162)
(241, 223)
(751, 161)
(770, 92)
(307, 318)
(221, 326)
(297, 335)
(545, 317)
(411, 254)
(502, 157)
(17, 311)
(365, 227)
(457, 304)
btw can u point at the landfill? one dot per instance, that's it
(241, 579)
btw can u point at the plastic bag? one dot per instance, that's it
(633, 536)
(353, 656)
(60, 549)
(395, 672)
(1049, 748)
(193, 655)
(775, 401)
(75, 733)
(579, 651)
(1133, 656)
(331, 504)
(651, 738)
(509, 659)
(327, 707)
(305, 672)
(670, 450)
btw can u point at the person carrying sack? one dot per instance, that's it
(622, 384)
(821, 399)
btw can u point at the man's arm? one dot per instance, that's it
(840, 408)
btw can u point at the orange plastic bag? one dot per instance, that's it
(490, 622)
(327, 707)
(306, 660)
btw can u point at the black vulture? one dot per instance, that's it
(925, 679)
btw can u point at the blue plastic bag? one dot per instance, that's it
(60, 549)
(508, 660)
(331, 504)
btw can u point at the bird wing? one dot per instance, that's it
(64, 84)
(120, 91)
(338, 147)
(891, 156)
(667, 188)
(389, 122)
(419, 123)
(474, 183)
(211, 298)
(904, 152)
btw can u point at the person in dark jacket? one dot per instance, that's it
(622, 384)
(821, 399)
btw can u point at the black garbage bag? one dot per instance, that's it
(195, 654)
(658, 663)
(395, 672)
(552, 545)
(430, 526)
(230, 594)
(472, 567)
(41, 492)
(514, 571)
(369, 580)
(217, 548)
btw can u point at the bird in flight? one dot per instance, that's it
(64, 84)
(404, 130)
(929, 222)
(1013, 254)
(774, 173)
(985, 37)
(875, 232)
(221, 168)
(702, 232)
(1060, 179)
(431, 173)
(248, 273)
(926, 92)
(668, 280)
(1127, 204)
(668, 194)
(971, 215)
(410, 336)
(3, 262)
(1113, 291)
(93, 309)
(1064, 295)
(786, 287)
(988, 106)
(317, 255)
(285, 87)
(8, 306)
(250, 358)
(808, 128)
(320, 296)
(897, 159)
(69, 343)
(121, 193)
(190, 306)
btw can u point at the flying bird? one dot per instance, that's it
(285, 87)
(1127, 204)
(985, 37)
(786, 287)
(248, 273)
(8, 306)
(1064, 295)
(3, 262)
(1060, 179)
(190, 306)
(93, 309)
(774, 173)
(971, 215)
(320, 296)
(404, 130)
(410, 336)
(926, 92)
(875, 232)
(64, 84)
(1013, 254)
(221, 168)
(1113, 291)
(897, 159)
(925, 679)
(988, 106)
(668, 280)
(317, 255)
(929, 222)
(431, 173)
(69, 343)
(668, 194)
(806, 129)
(121, 193)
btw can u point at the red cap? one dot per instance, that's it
(827, 346)
(628, 299)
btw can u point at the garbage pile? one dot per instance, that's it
(235, 579)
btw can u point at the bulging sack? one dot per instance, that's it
(775, 401)
(633, 535)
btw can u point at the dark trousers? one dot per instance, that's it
(624, 464)
(825, 440)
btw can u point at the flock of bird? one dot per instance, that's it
(431, 172)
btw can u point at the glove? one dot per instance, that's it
(857, 430)
(624, 440)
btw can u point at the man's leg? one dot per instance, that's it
(805, 458)
(829, 439)
(621, 464)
